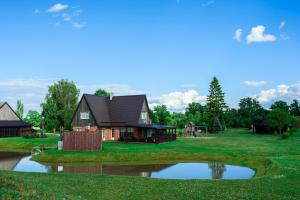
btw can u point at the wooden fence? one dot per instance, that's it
(82, 141)
(164, 138)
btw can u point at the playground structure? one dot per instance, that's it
(191, 130)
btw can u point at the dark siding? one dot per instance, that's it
(83, 107)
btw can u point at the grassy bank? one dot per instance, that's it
(276, 161)
(19, 144)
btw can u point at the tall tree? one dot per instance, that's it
(20, 109)
(102, 93)
(232, 118)
(281, 105)
(34, 118)
(295, 108)
(215, 106)
(60, 104)
(178, 119)
(194, 113)
(161, 115)
(248, 110)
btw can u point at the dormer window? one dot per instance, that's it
(84, 115)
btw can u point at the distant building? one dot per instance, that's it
(10, 124)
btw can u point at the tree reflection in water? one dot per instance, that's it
(217, 170)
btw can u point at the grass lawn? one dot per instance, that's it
(19, 144)
(276, 161)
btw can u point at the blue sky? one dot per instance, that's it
(168, 49)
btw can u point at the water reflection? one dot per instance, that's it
(162, 171)
(217, 170)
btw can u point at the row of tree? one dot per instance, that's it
(62, 100)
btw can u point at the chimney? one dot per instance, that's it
(111, 96)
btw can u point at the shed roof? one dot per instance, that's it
(13, 123)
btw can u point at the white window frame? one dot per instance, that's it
(144, 116)
(103, 134)
(84, 115)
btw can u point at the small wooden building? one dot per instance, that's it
(10, 124)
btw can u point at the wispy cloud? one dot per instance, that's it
(281, 25)
(208, 3)
(36, 11)
(78, 25)
(255, 83)
(258, 35)
(238, 34)
(32, 91)
(58, 7)
(65, 14)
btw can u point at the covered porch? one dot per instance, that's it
(151, 134)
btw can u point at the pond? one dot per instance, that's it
(161, 171)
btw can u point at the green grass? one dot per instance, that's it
(276, 161)
(19, 144)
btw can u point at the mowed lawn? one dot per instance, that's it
(276, 161)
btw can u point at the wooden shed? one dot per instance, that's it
(10, 124)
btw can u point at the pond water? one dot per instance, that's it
(161, 171)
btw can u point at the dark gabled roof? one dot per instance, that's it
(99, 107)
(2, 104)
(126, 108)
(12, 124)
(121, 110)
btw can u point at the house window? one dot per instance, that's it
(144, 115)
(103, 133)
(84, 115)
(112, 133)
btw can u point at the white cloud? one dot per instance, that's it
(177, 101)
(257, 35)
(238, 34)
(208, 3)
(58, 7)
(78, 25)
(282, 92)
(255, 83)
(281, 26)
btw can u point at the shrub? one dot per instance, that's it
(285, 135)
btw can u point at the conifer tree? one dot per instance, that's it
(215, 106)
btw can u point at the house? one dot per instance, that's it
(10, 124)
(124, 118)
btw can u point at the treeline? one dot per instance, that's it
(62, 99)
(250, 114)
